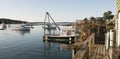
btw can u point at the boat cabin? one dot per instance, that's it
(22, 27)
(68, 31)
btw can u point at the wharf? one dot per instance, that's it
(59, 38)
(90, 50)
(82, 50)
(99, 52)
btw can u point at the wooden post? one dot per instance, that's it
(45, 38)
(89, 48)
(73, 53)
(93, 39)
(111, 53)
(75, 39)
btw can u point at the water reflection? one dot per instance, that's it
(59, 53)
(65, 47)
(47, 49)
(15, 46)
(23, 32)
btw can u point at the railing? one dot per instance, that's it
(83, 50)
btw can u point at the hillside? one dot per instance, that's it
(9, 21)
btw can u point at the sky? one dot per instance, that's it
(60, 10)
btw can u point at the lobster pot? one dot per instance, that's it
(107, 40)
(112, 37)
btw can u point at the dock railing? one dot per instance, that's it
(83, 50)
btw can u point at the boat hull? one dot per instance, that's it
(18, 29)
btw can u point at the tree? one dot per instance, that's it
(99, 19)
(92, 23)
(85, 19)
(92, 19)
(108, 15)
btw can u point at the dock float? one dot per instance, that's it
(61, 38)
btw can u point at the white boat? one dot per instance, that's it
(21, 28)
(2, 26)
(68, 31)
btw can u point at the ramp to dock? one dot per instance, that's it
(90, 50)
(98, 52)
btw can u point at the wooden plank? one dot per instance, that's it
(80, 54)
(99, 52)
(96, 52)
(93, 54)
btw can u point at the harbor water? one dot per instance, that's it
(30, 45)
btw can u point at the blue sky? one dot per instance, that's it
(60, 10)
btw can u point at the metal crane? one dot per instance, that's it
(48, 24)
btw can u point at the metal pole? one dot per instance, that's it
(44, 24)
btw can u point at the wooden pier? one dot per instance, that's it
(89, 50)
(98, 52)
(83, 50)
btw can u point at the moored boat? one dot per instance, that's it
(68, 33)
(2, 26)
(21, 28)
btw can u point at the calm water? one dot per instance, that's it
(30, 45)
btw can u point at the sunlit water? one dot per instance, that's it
(30, 45)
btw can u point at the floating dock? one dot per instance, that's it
(68, 38)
